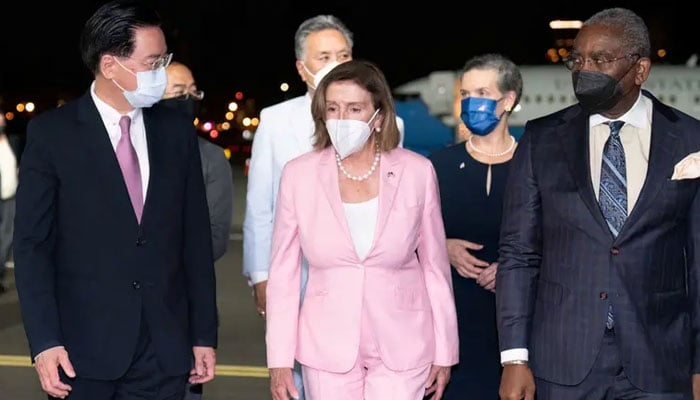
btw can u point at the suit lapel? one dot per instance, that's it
(152, 126)
(302, 128)
(104, 159)
(661, 164)
(328, 175)
(390, 172)
(577, 151)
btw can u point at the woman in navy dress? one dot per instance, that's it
(472, 176)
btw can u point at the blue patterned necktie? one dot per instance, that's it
(613, 187)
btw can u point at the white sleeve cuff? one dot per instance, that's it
(258, 276)
(514, 354)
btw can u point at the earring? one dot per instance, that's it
(378, 129)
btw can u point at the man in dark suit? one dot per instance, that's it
(597, 288)
(182, 94)
(113, 252)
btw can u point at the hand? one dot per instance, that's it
(696, 386)
(487, 278)
(259, 293)
(437, 381)
(204, 364)
(282, 384)
(517, 383)
(466, 264)
(46, 365)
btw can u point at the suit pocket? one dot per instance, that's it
(549, 292)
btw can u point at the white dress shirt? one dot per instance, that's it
(110, 119)
(635, 136)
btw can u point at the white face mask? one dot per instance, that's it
(349, 135)
(150, 87)
(321, 72)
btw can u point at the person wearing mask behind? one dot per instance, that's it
(378, 319)
(112, 245)
(182, 94)
(8, 188)
(598, 291)
(472, 176)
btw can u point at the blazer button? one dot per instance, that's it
(140, 242)
(614, 251)
(136, 285)
(603, 295)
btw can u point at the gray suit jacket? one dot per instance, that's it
(560, 266)
(218, 181)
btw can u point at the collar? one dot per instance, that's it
(109, 115)
(635, 116)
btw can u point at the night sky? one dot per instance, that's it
(247, 45)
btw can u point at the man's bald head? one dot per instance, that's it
(181, 82)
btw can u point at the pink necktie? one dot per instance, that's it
(129, 164)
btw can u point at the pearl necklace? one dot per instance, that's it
(501, 154)
(491, 155)
(377, 157)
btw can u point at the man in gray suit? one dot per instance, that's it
(182, 93)
(597, 289)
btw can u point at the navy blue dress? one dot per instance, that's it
(469, 213)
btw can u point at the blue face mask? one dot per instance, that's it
(479, 114)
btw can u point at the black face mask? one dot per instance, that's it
(188, 105)
(596, 92)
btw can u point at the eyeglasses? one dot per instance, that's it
(599, 62)
(195, 94)
(162, 61)
(182, 93)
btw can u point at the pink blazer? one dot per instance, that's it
(403, 283)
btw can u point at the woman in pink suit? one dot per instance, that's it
(378, 318)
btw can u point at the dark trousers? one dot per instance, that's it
(606, 381)
(193, 392)
(144, 380)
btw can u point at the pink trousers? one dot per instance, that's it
(369, 379)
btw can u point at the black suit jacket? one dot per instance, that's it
(87, 273)
(560, 266)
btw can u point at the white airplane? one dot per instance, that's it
(548, 88)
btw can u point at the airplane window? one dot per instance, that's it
(526, 99)
(562, 99)
(672, 98)
(550, 99)
(697, 99)
(538, 99)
